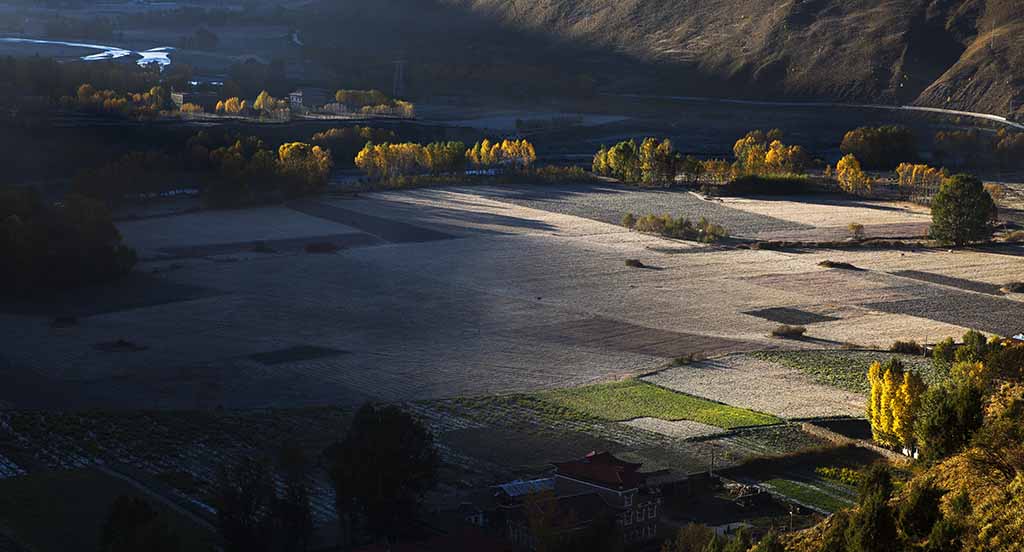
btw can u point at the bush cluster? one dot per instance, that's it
(679, 228)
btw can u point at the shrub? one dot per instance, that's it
(629, 220)
(907, 348)
(846, 476)
(789, 332)
(856, 231)
(962, 211)
(634, 263)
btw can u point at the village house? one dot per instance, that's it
(595, 496)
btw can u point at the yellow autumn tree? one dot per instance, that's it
(976, 374)
(905, 405)
(875, 400)
(233, 106)
(851, 177)
(264, 102)
(600, 163)
(894, 403)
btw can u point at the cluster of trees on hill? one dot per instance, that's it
(47, 247)
(969, 430)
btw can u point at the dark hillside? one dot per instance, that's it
(944, 53)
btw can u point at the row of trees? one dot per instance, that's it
(515, 154)
(389, 161)
(967, 148)
(371, 102)
(148, 103)
(231, 170)
(652, 161)
(919, 182)
(894, 403)
(345, 143)
(263, 105)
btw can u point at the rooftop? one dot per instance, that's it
(603, 469)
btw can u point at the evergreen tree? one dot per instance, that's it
(962, 211)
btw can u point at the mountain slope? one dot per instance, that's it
(960, 54)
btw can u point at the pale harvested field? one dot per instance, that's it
(452, 292)
(681, 429)
(740, 380)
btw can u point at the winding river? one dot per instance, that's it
(160, 56)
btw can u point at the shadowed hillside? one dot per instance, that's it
(944, 53)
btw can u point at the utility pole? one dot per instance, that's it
(399, 83)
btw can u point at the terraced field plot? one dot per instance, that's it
(636, 399)
(847, 370)
(746, 381)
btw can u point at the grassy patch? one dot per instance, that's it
(805, 493)
(631, 399)
(848, 369)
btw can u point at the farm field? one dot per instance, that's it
(503, 317)
(452, 292)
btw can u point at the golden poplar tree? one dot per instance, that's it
(875, 401)
(905, 405)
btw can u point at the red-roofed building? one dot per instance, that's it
(596, 492)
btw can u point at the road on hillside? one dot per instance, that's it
(765, 103)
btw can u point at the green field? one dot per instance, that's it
(809, 495)
(631, 399)
(848, 369)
